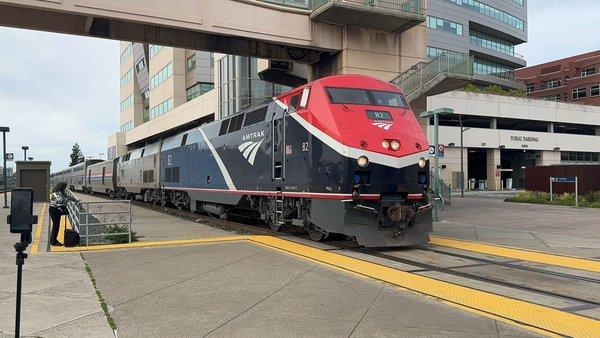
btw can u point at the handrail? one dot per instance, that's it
(400, 6)
(447, 63)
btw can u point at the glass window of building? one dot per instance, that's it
(160, 108)
(126, 52)
(529, 87)
(140, 65)
(127, 126)
(491, 12)
(444, 25)
(154, 49)
(190, 63)
(239, 85)
(491, 42)
(146, 94)
(578, 157)
(127, 102)
(198, 89)
(579, 93)
(588, 71)
(595, 90)
(127, 77)
(555, 97)
(293, 3)
(486, 67)
(553, 83)
(161, 75)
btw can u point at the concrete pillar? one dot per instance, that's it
(494, 123)
(493, 163)
(598, 131)
(381, 54)
(548, 157)
(550, 127)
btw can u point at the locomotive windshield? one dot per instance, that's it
(365, 97)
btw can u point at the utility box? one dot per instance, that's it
(34, 175)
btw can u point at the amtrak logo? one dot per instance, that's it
(253, 134)
(249, 150)
(382, 125)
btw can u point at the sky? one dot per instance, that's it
(56, 90)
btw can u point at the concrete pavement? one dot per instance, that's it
(557, 229)
(58, 298)
(245, 290)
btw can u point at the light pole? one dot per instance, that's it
(25, 148)
(436, 166)
(462, 167)
(4, 130)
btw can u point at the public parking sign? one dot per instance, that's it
(10, 156)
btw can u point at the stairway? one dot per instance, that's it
(447, 71)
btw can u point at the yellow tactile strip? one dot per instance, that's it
(35, 247)
(529, 315)
(148, 244)
(521, 254)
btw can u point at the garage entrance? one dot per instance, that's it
(477, 168)
(517, 160)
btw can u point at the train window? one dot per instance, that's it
(256, 116)
(175, 174)
(294, 101)
(142, 154)
(183, 139)
(348, 95)
(389, 99)
(366, 97)
(103, 174)
(224, 126)
(168, 174)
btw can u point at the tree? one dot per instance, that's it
(76, 155)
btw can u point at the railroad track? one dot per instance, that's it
(241, 225)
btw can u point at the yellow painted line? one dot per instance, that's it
(35, 247)
(148, 244)
(520, 254)
(518, 311)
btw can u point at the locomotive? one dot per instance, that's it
(343, 154)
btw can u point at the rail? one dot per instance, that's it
(425, 75)
(101, 222)
(398, 6)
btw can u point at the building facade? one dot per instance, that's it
(574, 79)
(486, 30)
(502, 135)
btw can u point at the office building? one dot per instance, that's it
(574, 79)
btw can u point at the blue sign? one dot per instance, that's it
(564, 179)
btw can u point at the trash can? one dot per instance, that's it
(509, 183)
(481, 185)
(471, 184)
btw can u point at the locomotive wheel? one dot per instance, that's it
(316, 234)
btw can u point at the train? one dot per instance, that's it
(343, 154)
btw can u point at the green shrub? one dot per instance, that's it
(590, 200)
(121, 238)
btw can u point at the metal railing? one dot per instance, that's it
(399, 6)
(441, 198)
(101, 222)
(425, 75)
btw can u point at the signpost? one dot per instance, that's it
(5, 130)
(566, 179)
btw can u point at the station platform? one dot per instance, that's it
(195, 280)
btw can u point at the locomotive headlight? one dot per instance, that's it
(422, 162)
(385, 144)
(362, 161)
(395, 145)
